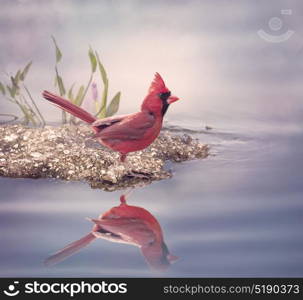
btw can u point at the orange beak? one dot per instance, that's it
(172, 99)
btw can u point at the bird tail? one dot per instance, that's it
(69, 250)
(69, 107)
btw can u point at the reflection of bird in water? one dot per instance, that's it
(125, 224)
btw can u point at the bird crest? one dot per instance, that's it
(158, 85)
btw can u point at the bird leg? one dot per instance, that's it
(125, 195)
(122, 157)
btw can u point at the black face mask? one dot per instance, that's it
(164, 97)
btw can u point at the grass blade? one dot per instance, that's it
(113, 106)
(25, 71)
(2, 89)
(14, 82)
(70, 94)
(11, 91)
(58, 52)
(78, 99)
(35, 105)
(102, 70)
(59, 82)
(102, 111)
(17, 77)
(61, 85)
(93, 59)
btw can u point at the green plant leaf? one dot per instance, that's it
(2, 89)
(15, 87)
(60, 85)
(70, 94)
(113, 106)
(37, 114)
(25, 71)
(102, 111)
(17, 77)
(11, 91)
(78, 99)
(102, 70)
(14, 82)
(93, 59)
(58, 52)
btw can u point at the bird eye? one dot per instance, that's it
(164, 96)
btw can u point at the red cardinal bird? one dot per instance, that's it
(129, 225)
(126, 133)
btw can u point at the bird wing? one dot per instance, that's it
(129, 229)
(106, 122)
(129, 127)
